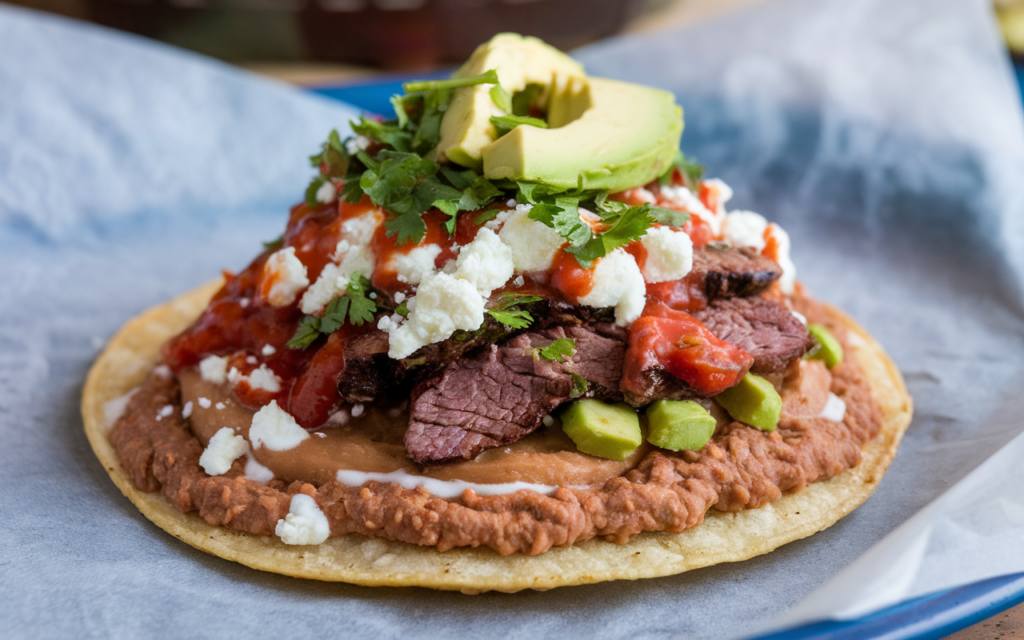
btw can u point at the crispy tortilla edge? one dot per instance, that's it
(723, 537)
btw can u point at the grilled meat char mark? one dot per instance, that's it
(503, 393)
(721, 271)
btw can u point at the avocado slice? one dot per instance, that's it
(602, 133)
(753, 401)
(829, 348)
(519, 61)
(604, 430)
(677, 425)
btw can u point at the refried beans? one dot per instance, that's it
(740, 468)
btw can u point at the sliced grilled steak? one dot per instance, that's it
(369, 373)
(731, 272)
(502, 394)
(763, 328)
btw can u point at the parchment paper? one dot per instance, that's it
(886, 138)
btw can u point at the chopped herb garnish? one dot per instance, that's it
(579, 385)
(354, 307)
(514, 318)
(274, 244)
(504, 124)
(501, 98)
(505, 311)
(669, 217)
(559, 350)
(422, 86)
(402, 309)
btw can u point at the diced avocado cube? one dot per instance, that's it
(830, 350)
(753, 401)
(604, 430)
(678, 425)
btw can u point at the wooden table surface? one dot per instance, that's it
(1007, 625)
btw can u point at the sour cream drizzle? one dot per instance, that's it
(441, 488)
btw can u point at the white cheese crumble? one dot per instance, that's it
(219, 405)
(835, 408)
(684, 198)
(443, 304)
(186, 411)
(223, 449)
(357, 410)
(519, 281)
(214, 369)
(500, 218)
(333, 280)
(264, 378)
(399, 297)
(355, 144)
(165, 412)
(304, 524)
(274, 428)
(256, 471)
(788, 280)
(745, 229)
(417, 264)
(724, 192)
(205, 403)
(326, 193)
(287, 275)
(799, 316)
(533, 243)
(486, 262)
(669, 254)
(268, 350)
(163, 371)
(360, 230)
(618, 283)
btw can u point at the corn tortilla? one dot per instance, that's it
(723, 537)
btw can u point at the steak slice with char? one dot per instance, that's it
(731, 272)
(764, 328)
(503, 393)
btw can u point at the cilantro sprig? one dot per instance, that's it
(691, 172)
(506, 312)
(354, 307)
(558, 351)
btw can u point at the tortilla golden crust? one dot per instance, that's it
(723, 537)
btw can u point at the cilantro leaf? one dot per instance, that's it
(387, 133)
(514, 318)
(579, 385)
(334, 314)
(313, 188)
(508, 300)
(504, 124)
(354, 306)
(274, 244)
(306, 333)
(333, 159)
(631, 225)
(362, 308)
(422, 86)
(402, 309)
(564, 217)
(501, 98)
(669, 217)
(559, 350)
(428, 128)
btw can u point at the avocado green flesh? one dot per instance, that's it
(519, 61)
(753, 401)
(679, 425)
(604, 430)
(626, 137)
(830, 351)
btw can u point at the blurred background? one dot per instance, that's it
(335, 41)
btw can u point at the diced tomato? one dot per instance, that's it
(569, 278)
(678, 343)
